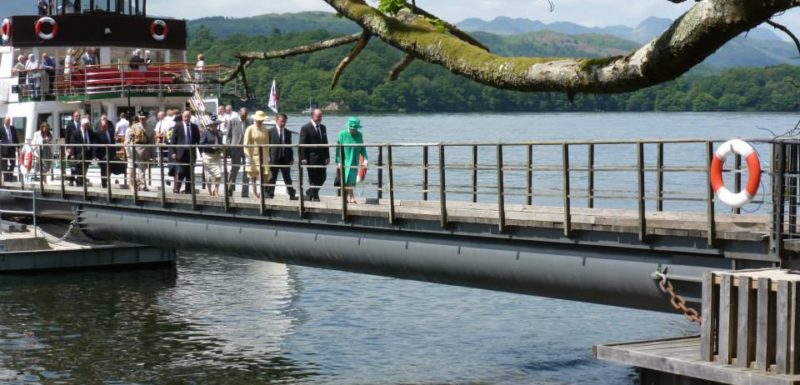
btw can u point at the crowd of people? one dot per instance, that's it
(173, 139)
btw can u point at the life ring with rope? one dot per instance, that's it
(747, 152)
(154, 30)
(39, 28)
(5, 30)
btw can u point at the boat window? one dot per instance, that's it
(122, 56)
(19, 125)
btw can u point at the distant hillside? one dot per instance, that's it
(273, 23)
(548, 43)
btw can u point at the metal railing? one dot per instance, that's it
(31, 213)
(160, 78)
(642, 176)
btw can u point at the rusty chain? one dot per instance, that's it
(676, 300)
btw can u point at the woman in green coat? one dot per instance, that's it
(354, 156)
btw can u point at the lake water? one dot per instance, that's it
(222, 320)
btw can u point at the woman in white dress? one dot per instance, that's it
(42, 146)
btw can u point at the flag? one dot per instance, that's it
(273, 97)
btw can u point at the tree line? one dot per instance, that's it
(422, 87)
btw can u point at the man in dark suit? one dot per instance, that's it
(81, 155)
(72, 126)
(185, 132)
(314, 132)
(281, 158)
(106, 158)
(8, 136)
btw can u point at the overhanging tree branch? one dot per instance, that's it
(362, 42)
(785, 30)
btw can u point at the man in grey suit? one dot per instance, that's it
(235, 137)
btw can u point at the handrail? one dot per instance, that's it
(574, 176)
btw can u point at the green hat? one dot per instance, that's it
(354, 123)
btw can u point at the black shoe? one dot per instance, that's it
(269, 196)
(316, 199)
(293, 198)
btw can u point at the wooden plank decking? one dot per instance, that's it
(681, 356)
(746, 227)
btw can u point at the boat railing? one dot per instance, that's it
(641, 177)
(122, 79)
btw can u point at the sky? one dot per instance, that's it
(593, 13)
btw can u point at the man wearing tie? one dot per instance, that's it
(105, 137)
(184, 133)
(281, 158)
(8, 136)
(314, 132)
(81, 155)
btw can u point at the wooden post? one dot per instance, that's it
(425, 173)
(392, 217)
(711, 229)
(83, 172)
(62, 164)
(192, 162)
(746, 324)
(783, 330)
(566, 197)
(778, 183)
(641, 192)
(501, 204)
(474, 173)
(727, 320)
(442, 187)
(109, 194)
(709, 315)
(660, 177)
(590, 178)
(737, 178)
(765, 330)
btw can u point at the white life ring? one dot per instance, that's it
(746, 151)
(53, 28)
(5, 30)
(154, 30)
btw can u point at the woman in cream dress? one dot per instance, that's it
(255, 137)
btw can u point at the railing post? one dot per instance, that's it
(566, 197)
(134, 177)
(737, 178)
(474, 173)
(710, 196)
(660, 177)
(391, 184)
(792, 179)
(41, 174)
(192, 161)
(226, 199)
(590, 178)
(380, 172)
(108, 174)
(529, 177)
(501, 204)
(442, 187)
(302, 195)
(425, 173)
(641, 192)
(161, 174)
(262, 206)
(83, 172)
(342, 188)
(778, 170)
(61, 169)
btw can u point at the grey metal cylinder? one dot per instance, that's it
(572, 272)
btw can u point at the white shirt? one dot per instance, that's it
(33, 65)
(122, 127)
(224, 126)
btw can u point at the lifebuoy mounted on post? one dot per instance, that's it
(40, 25)
(5, 30)
(746, 151)
(159, 30)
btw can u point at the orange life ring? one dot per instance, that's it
(746, 151)
(53, 28)
(154, 30)
(5, 30)
(362, 169)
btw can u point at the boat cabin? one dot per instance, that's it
(97, 56)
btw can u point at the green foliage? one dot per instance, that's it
(391, 7)
(428, 88)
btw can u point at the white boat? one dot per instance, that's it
(94, 70)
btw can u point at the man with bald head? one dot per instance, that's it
(314, 132)
(8, 152)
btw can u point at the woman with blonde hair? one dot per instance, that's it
(256, 142)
